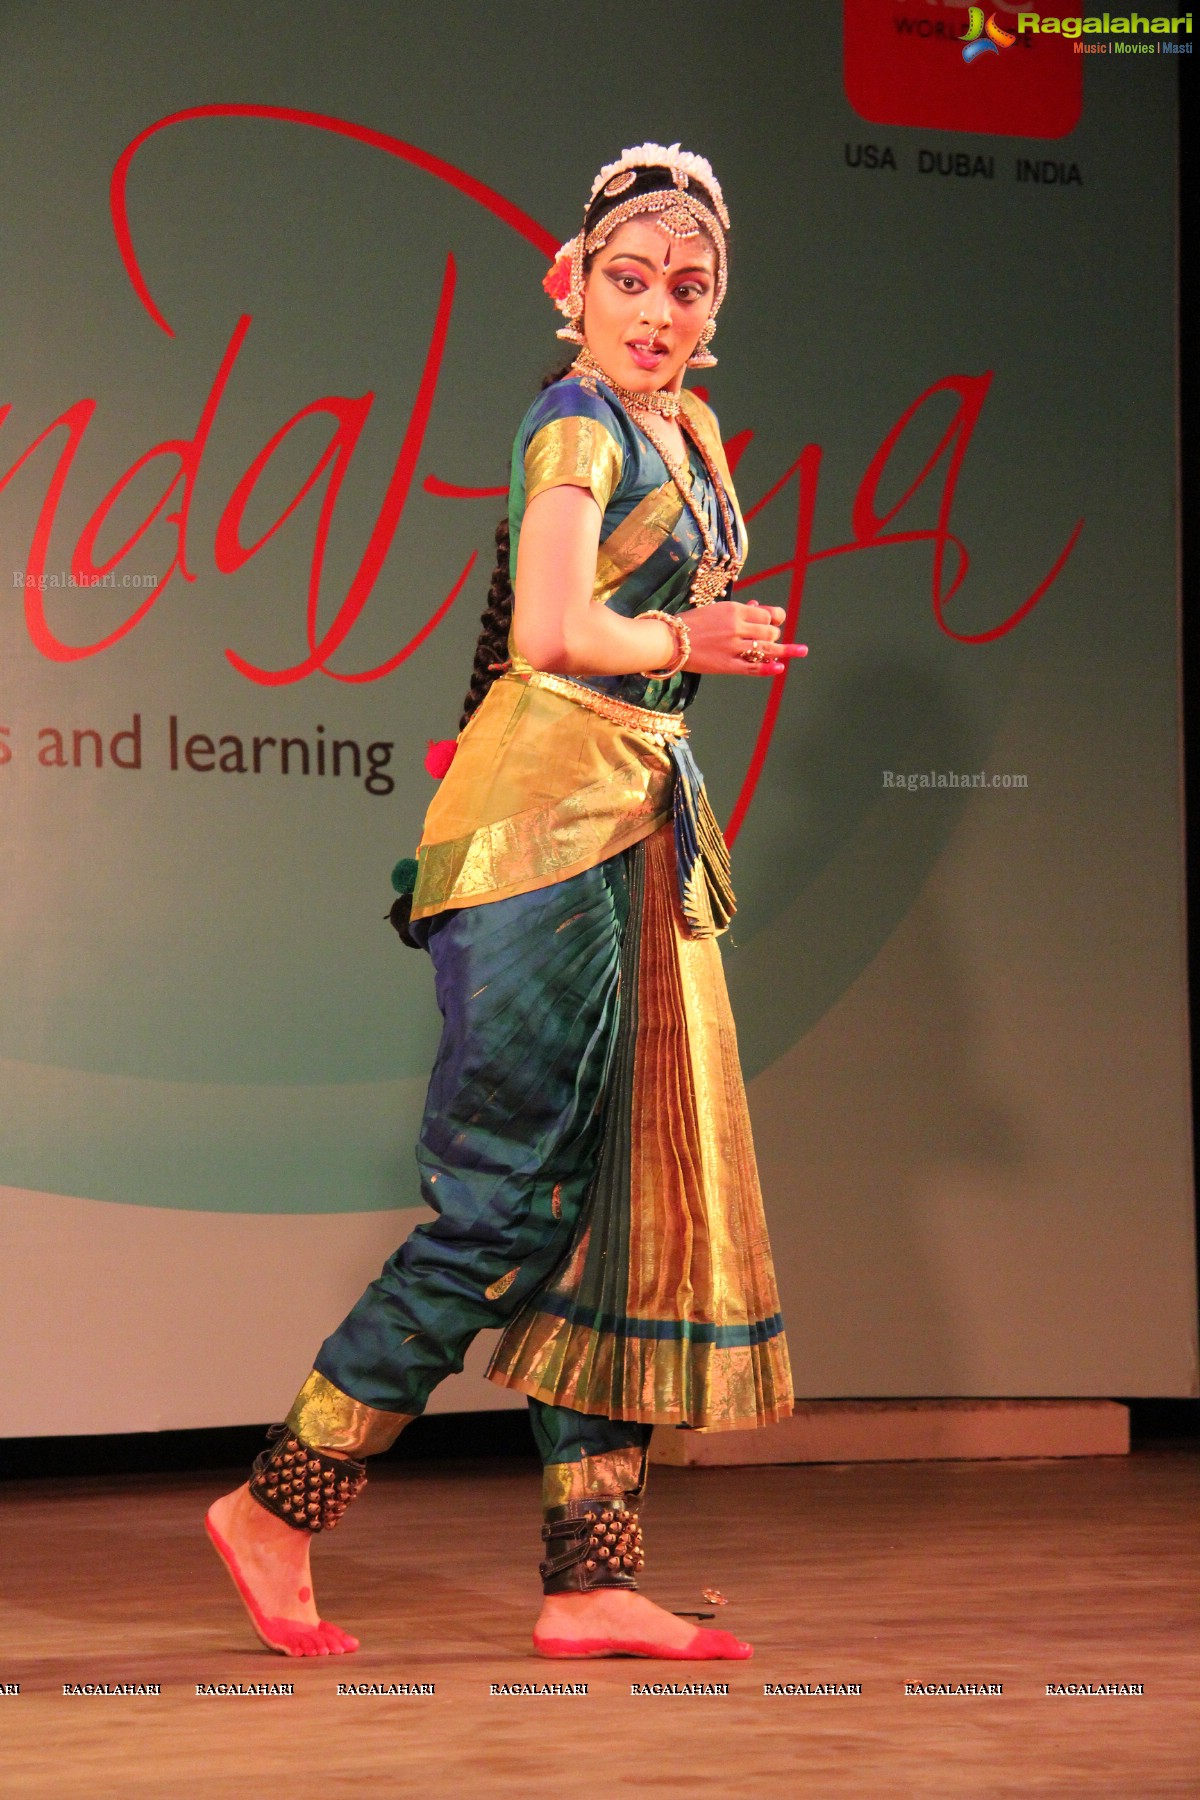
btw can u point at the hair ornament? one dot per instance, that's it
(557, 281)
(619, 183)
(682, 164)
(564, 284)
(681, 214)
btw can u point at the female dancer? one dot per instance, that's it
(585, 1144)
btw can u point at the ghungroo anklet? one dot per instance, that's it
(304, 1487)
(591, 1544)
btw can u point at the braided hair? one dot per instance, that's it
(496, 617)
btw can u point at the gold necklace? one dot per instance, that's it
(713, 575)
(659, 401)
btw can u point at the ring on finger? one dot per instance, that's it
(758, 652)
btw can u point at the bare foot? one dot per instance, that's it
(268, 1561)
(619, 1622)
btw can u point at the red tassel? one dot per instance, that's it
(439, 756)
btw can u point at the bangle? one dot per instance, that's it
(683, 645)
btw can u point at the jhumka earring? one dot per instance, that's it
(702, 357)
(570, 331)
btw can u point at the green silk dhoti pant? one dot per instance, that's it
(558, 1022)
(511, 1132)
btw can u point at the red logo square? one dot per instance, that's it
(903, 64)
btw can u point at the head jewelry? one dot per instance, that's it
(677, 210)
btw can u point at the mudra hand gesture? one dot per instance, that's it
(738, 637)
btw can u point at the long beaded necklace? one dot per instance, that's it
(713, 574)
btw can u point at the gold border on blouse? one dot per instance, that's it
(577, 452)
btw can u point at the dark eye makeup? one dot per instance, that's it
(686, 290)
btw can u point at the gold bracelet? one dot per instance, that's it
(683, 645)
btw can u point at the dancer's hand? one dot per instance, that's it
(723, 633)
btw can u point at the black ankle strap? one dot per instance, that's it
(304, 1487)
(592, 1544)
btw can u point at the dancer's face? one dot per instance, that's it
(640, 280)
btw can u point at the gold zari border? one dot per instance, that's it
(696, 1246)
(577, 452)
(327, 1419)
(528, 851)
(549, 779)
(707, 1386)
(613, 1472)
(635, 540)
(704, 423)
(660, 727)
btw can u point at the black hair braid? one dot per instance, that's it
(496, 617)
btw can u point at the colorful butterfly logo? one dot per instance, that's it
(980, 36)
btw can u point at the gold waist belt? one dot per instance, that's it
(661, 727)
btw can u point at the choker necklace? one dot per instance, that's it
(660, 400)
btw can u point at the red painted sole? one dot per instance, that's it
(284, 1636)
(703, 1646)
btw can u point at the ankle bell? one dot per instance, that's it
(304, 1487)
(594, 1543)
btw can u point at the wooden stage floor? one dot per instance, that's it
(1022, 1574)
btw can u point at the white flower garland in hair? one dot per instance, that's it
(666, 156)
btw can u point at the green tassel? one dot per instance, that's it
(404, 875)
